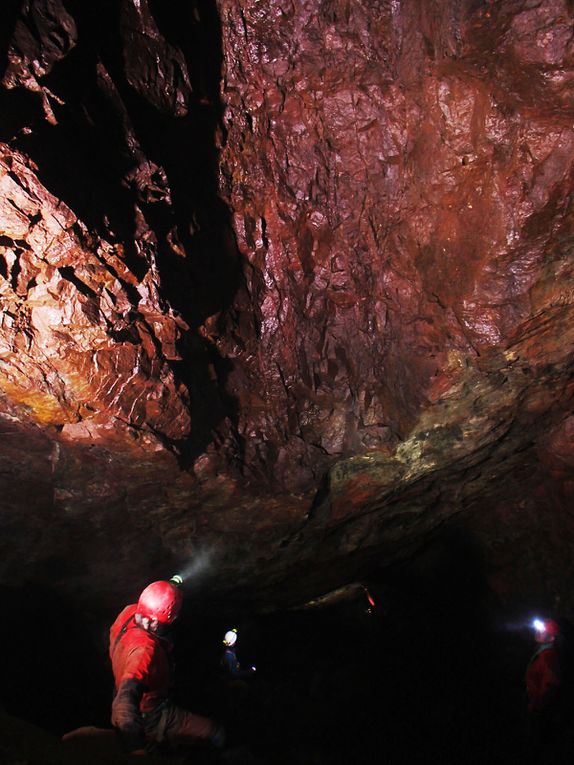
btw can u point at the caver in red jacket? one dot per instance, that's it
(543, 678)
(141, 710)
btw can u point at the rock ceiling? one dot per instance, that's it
(285, 284)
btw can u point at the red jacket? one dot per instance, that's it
(543, 678)
(140, 655)
(142, 674)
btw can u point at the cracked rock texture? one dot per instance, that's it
(290, 283)
(84, 346)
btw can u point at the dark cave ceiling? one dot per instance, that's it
(289, 284)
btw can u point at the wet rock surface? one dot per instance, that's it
(289, 282)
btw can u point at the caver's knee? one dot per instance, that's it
(182, 724)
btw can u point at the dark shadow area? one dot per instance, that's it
(431, 672)
(10, 13)
(144, 177)
(53, 661)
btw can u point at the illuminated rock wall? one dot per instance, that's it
(274, 268)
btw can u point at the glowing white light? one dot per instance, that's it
(177, 580)
(199, 564)
(230, 637)
(538, 625)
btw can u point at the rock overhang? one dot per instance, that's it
(317, 304)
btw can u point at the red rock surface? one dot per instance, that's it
(258, 253)
(84, 346)
(392, 187)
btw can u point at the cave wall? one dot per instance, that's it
(393, 168)
(288, 281)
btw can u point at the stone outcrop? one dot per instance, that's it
(85, 345)
(288, 282)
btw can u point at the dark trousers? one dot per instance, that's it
(176, 726)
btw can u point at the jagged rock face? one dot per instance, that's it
(247, 245)
(393, 196)
(92, 344)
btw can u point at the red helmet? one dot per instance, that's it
(546, 630)
(161, 601)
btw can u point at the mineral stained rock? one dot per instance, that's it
(397, 178)
(83, 344)
(287, 280)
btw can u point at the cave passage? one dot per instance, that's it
(430, 673)
(290, 284)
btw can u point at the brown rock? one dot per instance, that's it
(338, 269)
